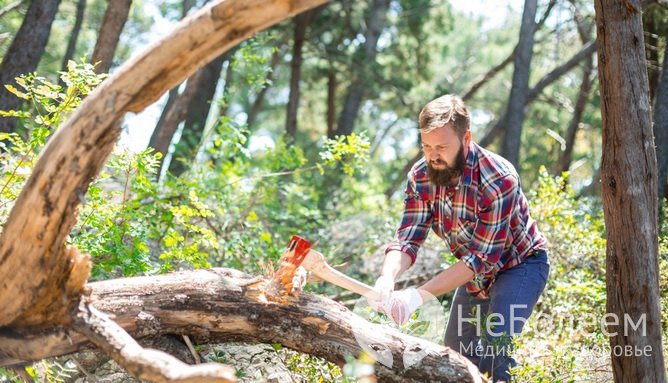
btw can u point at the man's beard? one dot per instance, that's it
(443, 177)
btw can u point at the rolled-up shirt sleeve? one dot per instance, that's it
(415, 223)
(492, 230)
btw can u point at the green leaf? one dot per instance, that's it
(16, 92)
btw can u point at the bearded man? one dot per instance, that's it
(472, 199)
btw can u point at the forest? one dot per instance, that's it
(156, 157)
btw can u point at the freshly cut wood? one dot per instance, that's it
(225, 305)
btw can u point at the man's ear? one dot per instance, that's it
(467, 138)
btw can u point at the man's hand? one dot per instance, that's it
(402, 305)
(383, 288)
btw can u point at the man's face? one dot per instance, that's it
(445, 154)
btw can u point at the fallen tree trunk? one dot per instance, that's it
(224, 305)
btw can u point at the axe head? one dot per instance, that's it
(292, 258)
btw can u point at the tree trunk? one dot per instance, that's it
(110, 32)
(510, 147)
(661, 131)
(24, 54)
(301, 22)
(197, 112)
(483, 79)
(74, 36)
(173, 111)
(628, 180)
(172, 115)
(34, 234)
(256, 107)
(363, 67)
(331, 101)
(225, 305)
(555, 74)
(566, 157)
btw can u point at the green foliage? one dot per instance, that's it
(47, 371)
(563, 340)
(350, 151)
(49, 106)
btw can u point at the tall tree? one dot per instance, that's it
(197, 113)
(301, 22)
(661, 131)
(110, 32)
(363, 66)
(25, 52)
(584, 30)
(331, 100)
(174, 110)
(258, 102)
(74, 35)
(510, 148)
(172, 115)
(628, 181)
(498, 127)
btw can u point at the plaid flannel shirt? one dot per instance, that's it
(489, 228)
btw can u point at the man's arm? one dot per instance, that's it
(446, 281)
(395, 264)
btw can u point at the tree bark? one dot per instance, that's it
(224, 305)
(566, 157)
(24, 54)
(74, 36)
(331, 101)
(375, 21)
(301, 23)
(110, 32)
(628, 180)
(196, 115)
(661, 131)
(517, 102)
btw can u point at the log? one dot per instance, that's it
(224, 305)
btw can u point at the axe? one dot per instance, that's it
(299, 253)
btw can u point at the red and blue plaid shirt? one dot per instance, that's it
(489, 228)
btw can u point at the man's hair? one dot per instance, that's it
(447, 109)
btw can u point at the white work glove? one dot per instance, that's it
(299, 280)
(402, 305)
(383, 289)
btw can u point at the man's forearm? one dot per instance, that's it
(395, 264)
(447, 280)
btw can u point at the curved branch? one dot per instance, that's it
(45, 211)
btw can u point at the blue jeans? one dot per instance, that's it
(483, 329)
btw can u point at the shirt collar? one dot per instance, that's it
(471, 159)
